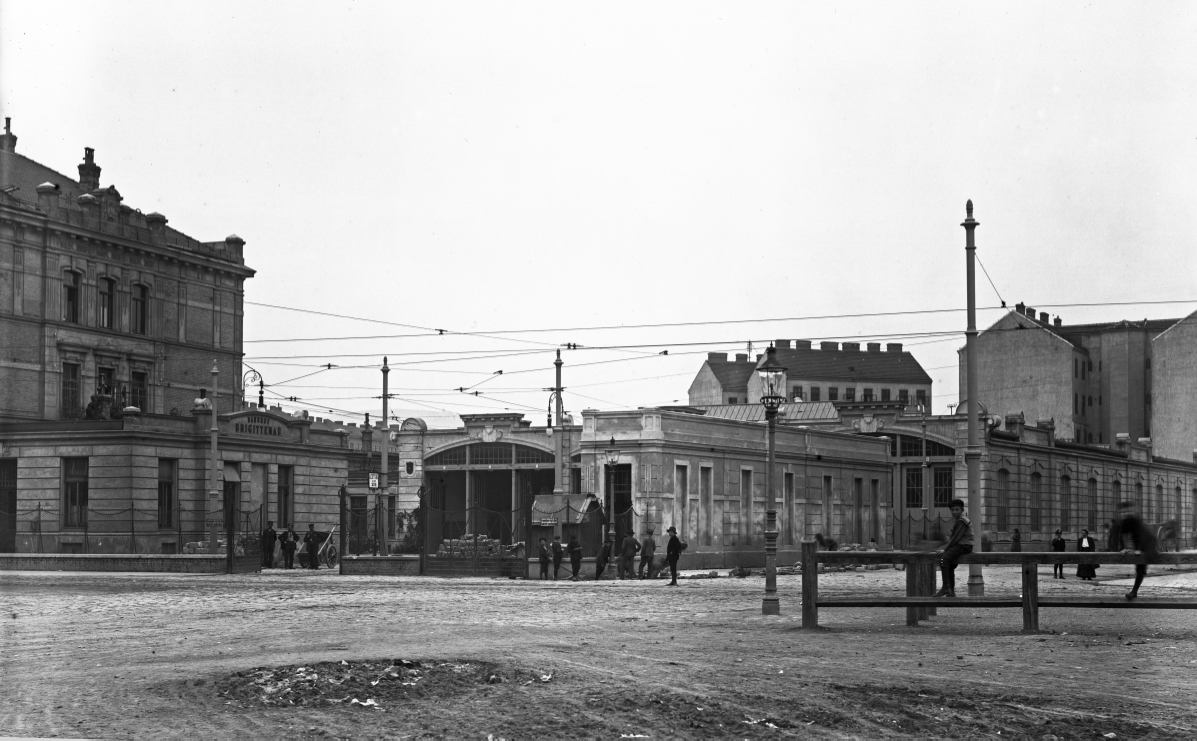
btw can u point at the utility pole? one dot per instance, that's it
(972, 454)
(558, 451)
(380, 521)
(215, 506)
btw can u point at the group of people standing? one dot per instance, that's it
(626, 563)
(287, 542)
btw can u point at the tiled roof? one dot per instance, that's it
(792, 412)
(22, 172)
(851, 365)
(732, 375)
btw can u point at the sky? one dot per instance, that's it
(521, 173)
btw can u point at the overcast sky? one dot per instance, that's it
(484, 167)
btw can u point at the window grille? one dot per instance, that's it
(166, 493)
(75, 493)
(525, 454)
(942, 485)
(490, 454)
(452, 457)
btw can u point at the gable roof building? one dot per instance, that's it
(722, 381)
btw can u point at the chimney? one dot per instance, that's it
(89, 171)
(9, 142)
(801, 344)
(1059, 322)
(741, 357)
(1048, 424)
(1020, 307)
(1014, 424)
(894, 347)
(781, 344)
(90, 205)
(717, 357)
(1030, 312)
(829, 346)
(874, 347)
(47, 196)
(851, 347)
(157, 224)
(1121, 440)
(1043, 317)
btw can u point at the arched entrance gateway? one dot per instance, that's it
(488, 496)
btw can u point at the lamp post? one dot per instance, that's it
(926, 471)
(215, 506)
(252, 376)
(382, 514)
(972, 454)
(612, 454)
(772, 385)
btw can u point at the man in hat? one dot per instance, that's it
(647, 550)
(311, 544)
(290, 539)
(558, 555)
(627, 564)
(673, 551)
(269, 538)
(1058, 546)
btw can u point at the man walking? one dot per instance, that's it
(647, 551)
(311, 543)
(269, 538)
(627, 564)
(289, 539)
(558, 554)
(1136, 539)
(673, 551)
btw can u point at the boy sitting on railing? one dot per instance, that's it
(960, 543)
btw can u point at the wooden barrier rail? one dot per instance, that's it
(921, 567)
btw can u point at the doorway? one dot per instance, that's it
(619, 499)
(8, 506)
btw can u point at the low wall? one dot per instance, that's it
(112, 562)
(402, 565)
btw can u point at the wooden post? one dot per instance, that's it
(810, 584)
(1030, 597)
(912, 590)
(929, 585)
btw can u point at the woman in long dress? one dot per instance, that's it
(1086, 543)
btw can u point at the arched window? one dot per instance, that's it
(1065, 503)
(137, 310)
(1036, 502)
(1116, 495)
(1003, 499)
(1139, 498)
(1089, 508)
(1176, 506)
(1160, 512)
(104, 303)
(70, 297)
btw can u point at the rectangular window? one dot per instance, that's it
(796, 393)
(1003, 499)
(391, 517)
(139, 394)
(285, 488)
(1065, 503)
(850, 393)
(920, 397)
(137, 310)
(74, 505)
(814, 393)
(885, 394)
(833, 393)
(105, 303)
(1074, 404)
(904, 396)
(705, 496)
(787, 505)
(942, 485)
(166, 493)
(1036, 502)
(105, 380)
(1082, 370)
(868, 394)
(72, 407)
(732, 400)
(746, 504)
(70, 297)
(1075, 372)
(914, 487)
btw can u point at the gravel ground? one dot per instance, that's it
(103, 655)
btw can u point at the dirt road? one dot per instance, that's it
(103, 655)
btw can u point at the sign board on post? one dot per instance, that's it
(373, 481)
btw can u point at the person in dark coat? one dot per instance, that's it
(1085, 544)
(1016, 542)
(604, 557)
(575, 557)
(1058, 546)
(546, 557)
(1136, 539)
(647, 550)
(627, 564)
(269, 538)
(673, 551)
(960, 543)
(311, 544)
(289, 539)
(558, 554)
(1113, 536)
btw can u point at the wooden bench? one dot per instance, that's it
(922, 566)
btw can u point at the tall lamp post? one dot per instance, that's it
(972, 454)
(772, 386)
(215, 506)
(926, 481)
(612, 454)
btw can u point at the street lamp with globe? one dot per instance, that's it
(772, 396)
